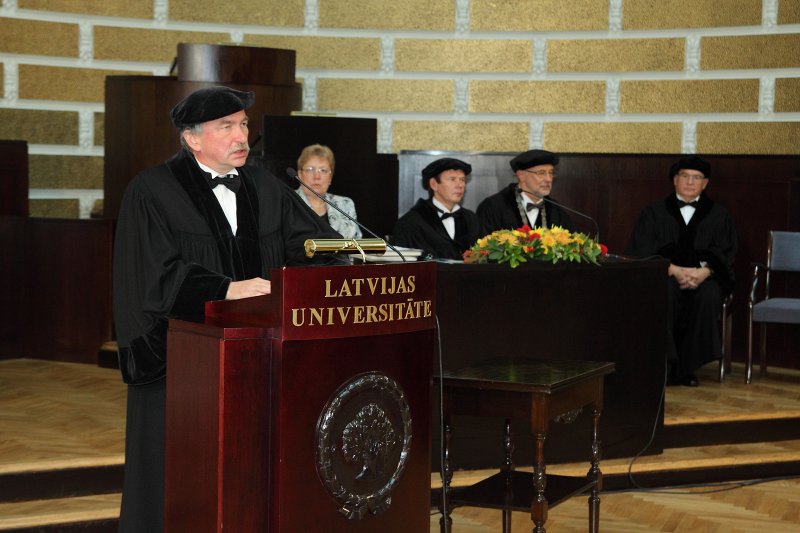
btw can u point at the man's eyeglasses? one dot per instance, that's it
(690, 177)
(321, 170)
(541, 173)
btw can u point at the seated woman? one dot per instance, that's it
(315, 169)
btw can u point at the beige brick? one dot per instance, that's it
(787, 95)
(538, 15)
(97, 209)
(789, 12)
(750, 51)
(38, 82)
(647, 14)
(39, 127)
(142, 9)
(748, 138)
(418, 96)
(136, 44)
(99, 129)
(536, 96)
(613, 137)
(325, 52)
(65, 172)
(247, 12)
(689, 96)
(36, 37)
(615, 55)
(60, 208)
(460, 136)
(388, 14)
(458, 55)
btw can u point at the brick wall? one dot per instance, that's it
(713, 76)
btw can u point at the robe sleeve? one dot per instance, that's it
(721, 249)
(410, 235)
(489, 215)
(151, 283)
(299, 223)
(644, 241)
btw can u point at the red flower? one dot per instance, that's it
(534, 236)
(525, 228)
(603, 249)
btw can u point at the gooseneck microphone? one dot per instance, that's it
(293, 174)
(565, 208)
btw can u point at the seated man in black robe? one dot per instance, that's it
(698, 237)
(201, 226)
(439, 225)
(525, 202)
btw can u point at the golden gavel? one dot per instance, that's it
(347, 246)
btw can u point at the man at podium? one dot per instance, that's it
(201, 226)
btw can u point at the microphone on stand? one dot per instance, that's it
(293, 174)
(565, 208)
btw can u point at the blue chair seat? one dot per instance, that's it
(782, 310)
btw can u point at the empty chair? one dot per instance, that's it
(783, 255)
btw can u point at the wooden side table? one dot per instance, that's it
(537, 390)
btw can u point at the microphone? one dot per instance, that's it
(565, 208)
(293, 174)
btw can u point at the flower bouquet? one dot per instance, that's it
(534, 244)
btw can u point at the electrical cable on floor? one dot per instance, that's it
(722, 486)
(652, 433)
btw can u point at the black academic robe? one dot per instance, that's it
(421, 227)
(709, 237)
(500, 211)
(173, 251)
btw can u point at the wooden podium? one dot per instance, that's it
(305, 410)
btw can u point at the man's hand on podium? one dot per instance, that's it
(248, 288)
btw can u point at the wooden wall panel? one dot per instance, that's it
(67, 311)
(14, 178)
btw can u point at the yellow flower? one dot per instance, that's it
(507, 238)
(548, 240)
(561, 238)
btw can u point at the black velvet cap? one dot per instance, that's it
(209, 103)
(440, 165)
(690, 162)
(533, 158)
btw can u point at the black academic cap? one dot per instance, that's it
(690, 162)
(209, 103)
(533, 158)
(440, 165)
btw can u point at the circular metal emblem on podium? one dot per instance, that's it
(363, 440)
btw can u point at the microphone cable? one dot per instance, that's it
(562, 206)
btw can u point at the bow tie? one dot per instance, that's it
(444, 214)
(681, 203)
(231, 181)
(530, 207)
(454, 214)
